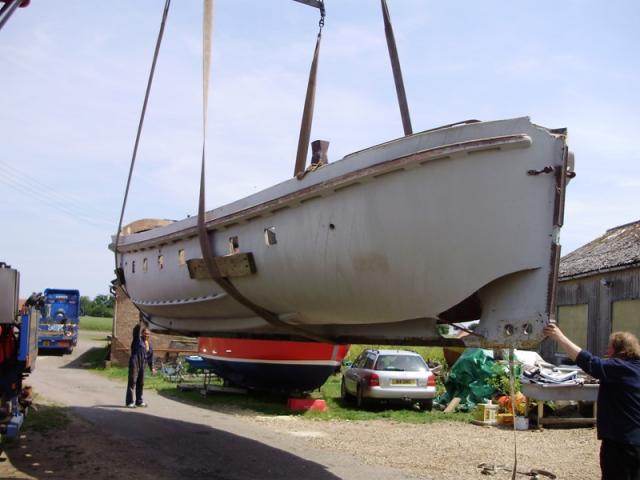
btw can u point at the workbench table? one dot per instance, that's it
(554, 392)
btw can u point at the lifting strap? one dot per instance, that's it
(118, 270)
(397, 73)
(203, 235)
(8, 8)
(309, 102)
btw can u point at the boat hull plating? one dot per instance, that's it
(444, 226)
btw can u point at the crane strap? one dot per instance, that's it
(309, 102)
(397, 72)
(204, 237)
(165, 14)
(8, 8)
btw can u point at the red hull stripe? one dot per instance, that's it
(328, 363)
(271, 351)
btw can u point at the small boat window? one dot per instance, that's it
(161, 261)
(133, 267)
(270, 236)
(234, 245)
(182, 257)
(145, 265)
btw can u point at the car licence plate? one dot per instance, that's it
(400, 381)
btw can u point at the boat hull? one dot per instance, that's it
(281, 366)
(383, 245)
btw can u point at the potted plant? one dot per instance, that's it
(501, 382)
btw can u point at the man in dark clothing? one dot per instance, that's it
(141, 355)
(618, 400)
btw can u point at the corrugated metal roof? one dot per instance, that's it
(618, 248)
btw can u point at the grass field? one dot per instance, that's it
(101, 324)
(273, 404)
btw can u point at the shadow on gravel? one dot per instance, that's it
(135, 444)
(92, 358)
(189, 450)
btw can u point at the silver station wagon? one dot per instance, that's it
(389, 375)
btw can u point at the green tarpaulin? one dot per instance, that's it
(468, 377)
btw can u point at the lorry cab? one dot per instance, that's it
(58, 327)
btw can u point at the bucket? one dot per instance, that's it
(521, 423)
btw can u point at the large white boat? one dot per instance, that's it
(448, 225)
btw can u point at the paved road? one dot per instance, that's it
(184, 441)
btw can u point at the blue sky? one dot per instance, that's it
(73, 75)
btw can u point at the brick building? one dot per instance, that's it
(126, 316)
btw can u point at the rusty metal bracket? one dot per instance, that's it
(312, 3)
(547, 169)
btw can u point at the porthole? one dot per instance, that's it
(234, 245)
(270, 236)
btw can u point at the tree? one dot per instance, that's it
(101, 306)
(85, 305)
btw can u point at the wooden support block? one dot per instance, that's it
(452, 405)
(233, 265)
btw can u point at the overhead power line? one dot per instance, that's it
(48, 201)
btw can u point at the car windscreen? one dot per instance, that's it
(401, 363)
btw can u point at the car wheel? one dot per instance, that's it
(360, 400)
(426, 405)
(344, 394)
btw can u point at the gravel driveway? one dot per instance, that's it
(172, 440)
(450, 450)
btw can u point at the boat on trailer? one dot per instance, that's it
(279, 366)
(448, 225)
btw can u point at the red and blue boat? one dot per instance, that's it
(275, 365)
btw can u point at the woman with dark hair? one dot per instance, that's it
(618, 400)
